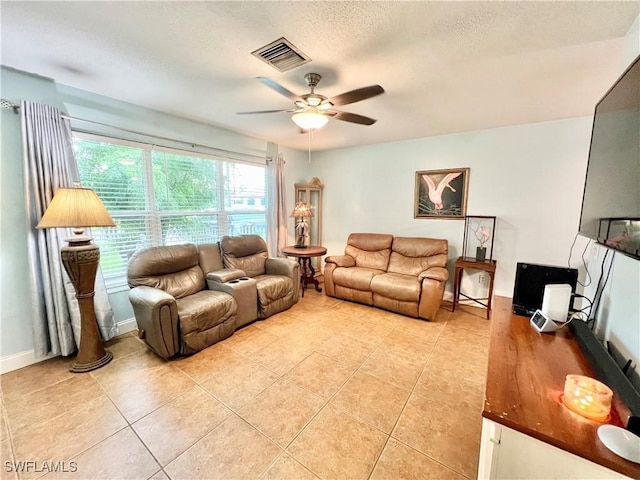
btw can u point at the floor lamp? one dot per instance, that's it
(79, 208)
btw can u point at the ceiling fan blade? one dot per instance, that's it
(352, 117)
(279, 88)
(266, 111)
(357, 95)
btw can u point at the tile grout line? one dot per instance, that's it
(407, 401)
(327, 405)
(412, 392)
(191, 445)
(282, 376)
(235, 412)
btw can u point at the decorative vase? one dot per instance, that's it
(481, 253)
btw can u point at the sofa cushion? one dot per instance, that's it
(206, 317)
(245, 252)
(275, 294)
(173, 268)
(405, 288)
(353, 295)
(411, 256)
(369, 250)
(355, 277)
(272, 287)
(203, 310)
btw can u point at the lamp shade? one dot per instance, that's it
(75, 207)
(301, 210)
(310, 119)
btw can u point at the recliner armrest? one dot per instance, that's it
(149, 297)
(435, 273)
(225, 275)
(341, 260)
(156, 314)
(282, 266)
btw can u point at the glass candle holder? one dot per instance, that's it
(587, 397)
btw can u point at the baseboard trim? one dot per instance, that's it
(128, 325)
(28, 357)
(20, 360)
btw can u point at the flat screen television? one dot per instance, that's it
(611, 202)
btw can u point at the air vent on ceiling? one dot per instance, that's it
(281, 55)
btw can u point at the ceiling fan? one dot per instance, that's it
(313, 110)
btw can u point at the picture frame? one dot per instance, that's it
(441, 193)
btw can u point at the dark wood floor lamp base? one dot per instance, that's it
(80, 261)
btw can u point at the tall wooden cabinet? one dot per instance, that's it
(311, 194)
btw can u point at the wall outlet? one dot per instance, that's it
(482, 279)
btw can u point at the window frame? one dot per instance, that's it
(116, 282)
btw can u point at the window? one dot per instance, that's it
(161, 196)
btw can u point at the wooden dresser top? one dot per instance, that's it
(525, 380)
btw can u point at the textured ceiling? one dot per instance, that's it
(446, 66)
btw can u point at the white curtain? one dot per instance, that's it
(277, 231)
(49, 164)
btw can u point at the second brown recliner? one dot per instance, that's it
(277, 279)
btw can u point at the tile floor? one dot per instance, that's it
(328, 389)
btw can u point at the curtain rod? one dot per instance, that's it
(7, 104)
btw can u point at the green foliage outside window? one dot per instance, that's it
(158, 197)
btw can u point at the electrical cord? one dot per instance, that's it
(593, 314)
(573, 316)
(598, 295)
(584, 262)
(590, 306)
(577, 314)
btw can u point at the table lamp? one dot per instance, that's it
(79, 208)
(301, 212)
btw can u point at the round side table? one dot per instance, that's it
(304, 256)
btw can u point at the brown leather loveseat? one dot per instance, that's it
(185, 299)
(401, 274)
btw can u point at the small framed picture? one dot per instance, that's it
(441, 193)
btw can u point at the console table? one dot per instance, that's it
(462, 263)
(527, 432)
(304, 256)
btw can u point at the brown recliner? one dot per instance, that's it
(404, 275)
(277, 279)
(175, 312)
(349, 276)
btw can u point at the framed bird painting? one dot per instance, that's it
(441, 193)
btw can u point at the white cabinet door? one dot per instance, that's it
(507, 454)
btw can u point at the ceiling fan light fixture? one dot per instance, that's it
(310, 120)
(314, 101)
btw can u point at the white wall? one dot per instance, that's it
(618, 319)
(530, 176)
